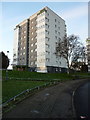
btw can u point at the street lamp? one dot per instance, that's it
(6, 68)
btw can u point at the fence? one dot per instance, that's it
(32, 79)
(18, 97)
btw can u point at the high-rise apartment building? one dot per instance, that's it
(88, 53)
(36, 39)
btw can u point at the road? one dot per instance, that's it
(81, 100)
(52, 102)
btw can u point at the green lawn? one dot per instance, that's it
(82, 74)
(35, 75)
(11, 88)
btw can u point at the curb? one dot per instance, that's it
(73, 107)
(73, 94)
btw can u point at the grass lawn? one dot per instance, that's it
(82, 74)
(35, 75)
(14, 87)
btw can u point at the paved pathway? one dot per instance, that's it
(81, 99)
(52, 102)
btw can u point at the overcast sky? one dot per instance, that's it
(74, 13)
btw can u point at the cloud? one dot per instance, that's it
(76, 12)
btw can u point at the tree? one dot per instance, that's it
(80, 63)
(79, 66)
(5, 60)
(70, 49)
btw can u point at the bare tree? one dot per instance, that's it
(70, 49)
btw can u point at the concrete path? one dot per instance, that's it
(52, 102)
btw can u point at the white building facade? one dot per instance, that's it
(46, 30)
(15, 46)
(88, 53)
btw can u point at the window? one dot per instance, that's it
(47, 45)
(35, 62)
(24, 53)
(47, 31)
(14, 59)
(56, 31)
(32, 44)
(47, 52)
(24, 36)
(21, 28)
(31, 63)
(46, 18)
(56, 43)
(59, 38)
(59, 28)
(14, 55)
(36, 43)
(47, 25)
(58, 22)
(36, 49)
(47, 38)
(41, 20)
(24, 48)
(32, 27)
(55, 20)
(56, 69)
(31, 56)
(48, 14)
(55, 26)
(55, 37)
(41, 26)
(20, 53)
(59, 33)
(47, 59)
(31, 50)
(32, 39)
